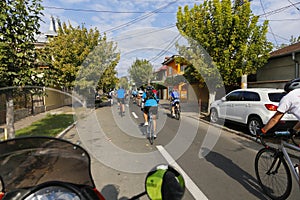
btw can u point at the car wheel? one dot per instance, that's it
(214, 118)
(254, 123)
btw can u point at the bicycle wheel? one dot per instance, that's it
(273, 174)
(177, 113)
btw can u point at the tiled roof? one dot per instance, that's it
(286, 50)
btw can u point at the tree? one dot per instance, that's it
(108, 80)
(19, 22)
(98, 70)
(82, 60)
(66, 52)
(231, 36)
(141, 72)
(123, 82)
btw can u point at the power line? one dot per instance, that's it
(147, 33)
(278, 10)
(262, 6)
(167, 48)
(274, 20)
(139, 18)
(294, 5)
(101, 11)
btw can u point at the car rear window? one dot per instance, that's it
(250, 96)
(276, 97)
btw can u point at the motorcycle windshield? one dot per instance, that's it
(27, 162)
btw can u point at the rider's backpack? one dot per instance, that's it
(150, 94)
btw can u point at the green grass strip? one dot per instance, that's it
(51, 125)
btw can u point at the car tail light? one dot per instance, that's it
(271, 107)
(98, 194)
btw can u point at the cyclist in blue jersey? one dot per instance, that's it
(150, 104)
(134, 94)
(174, 98)
(121, 98)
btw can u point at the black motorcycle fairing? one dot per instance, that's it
(30, 161)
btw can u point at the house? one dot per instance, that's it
(170, 75)
(174, 77)
(282, 66)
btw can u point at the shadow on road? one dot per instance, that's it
(235, 172)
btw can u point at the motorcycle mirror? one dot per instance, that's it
(164, 182)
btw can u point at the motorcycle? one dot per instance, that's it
(47, 168)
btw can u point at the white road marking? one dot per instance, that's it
(134, 115)
(190, 185)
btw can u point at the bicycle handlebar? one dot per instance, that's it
(279, 135)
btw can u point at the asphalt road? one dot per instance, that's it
(217, 163)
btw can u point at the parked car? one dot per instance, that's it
(252, 107)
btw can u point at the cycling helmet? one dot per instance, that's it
(291, 85)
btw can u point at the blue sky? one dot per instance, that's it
(145, 29)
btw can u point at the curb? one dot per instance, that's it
(61, 134)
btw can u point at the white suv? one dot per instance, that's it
(252, 107)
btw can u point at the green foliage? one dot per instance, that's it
(98, 69)
(176, 80)
(141, 72)
(123, 82)
(82, 58)
(229, 34)
(19, 22)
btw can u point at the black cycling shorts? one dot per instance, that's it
(121, 100)
(153, 109)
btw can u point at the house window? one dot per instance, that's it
(182, 67)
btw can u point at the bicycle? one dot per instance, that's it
(273, 166)
(121, 107)
(150, 128)
(177, 111)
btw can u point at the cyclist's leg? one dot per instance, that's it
(123, 104)
(154, 110)
(146, 110)
(173, 109)
(119, 101)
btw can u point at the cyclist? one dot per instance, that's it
(121, 98)
(134, 94)
(110, 97)
(150, 104)
(289, 103)
(174, 97)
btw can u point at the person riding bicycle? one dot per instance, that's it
(150, 104)
(121, 98)
(174, 98)
(289, 103)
